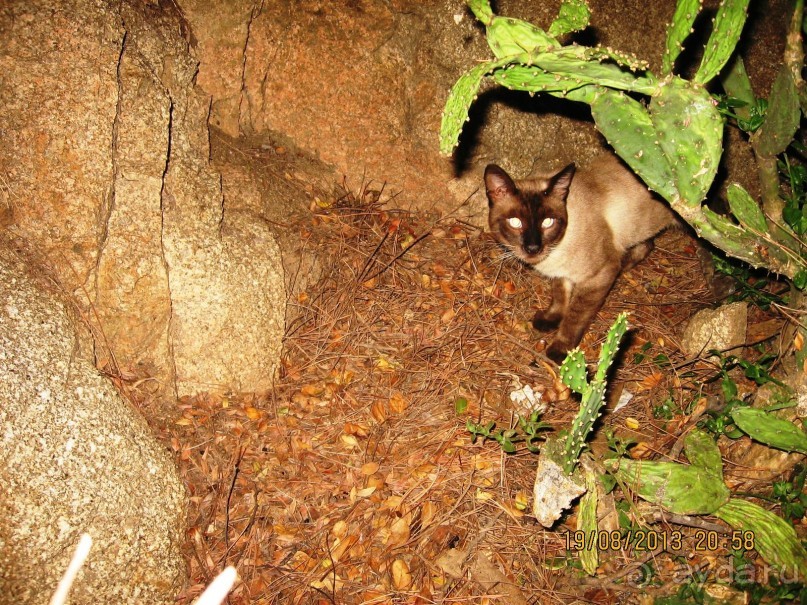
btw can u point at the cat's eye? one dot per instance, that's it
(547, 223)
(514, 222)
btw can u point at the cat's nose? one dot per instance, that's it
(532, 248)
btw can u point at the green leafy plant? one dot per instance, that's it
(722, 421)
(791, 495)
(748, 116)
(752, 286)
(526, 430)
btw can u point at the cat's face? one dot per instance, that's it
(528, 218)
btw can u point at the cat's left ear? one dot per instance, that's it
(563, 180)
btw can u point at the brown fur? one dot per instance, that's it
(580, 228)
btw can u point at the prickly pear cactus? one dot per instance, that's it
(728, 25)
(773, 538)
(673, 143)
(573, 374)
(702, 452)
(770, 430)
(681, 489)
(573, 16)
(687, 490)
(689, 130)
(573, 371)
(587, 523)
(679, 29)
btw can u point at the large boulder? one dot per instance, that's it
(363, 83)
(74, 458)
(106, 166)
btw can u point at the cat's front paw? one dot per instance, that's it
(545, 322)
(557, 352)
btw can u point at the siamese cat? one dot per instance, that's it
(580, 228)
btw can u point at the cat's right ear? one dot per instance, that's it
(498, 184)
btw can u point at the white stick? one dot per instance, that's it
(82, 550)
(219, 588)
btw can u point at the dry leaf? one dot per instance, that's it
(397, 403)
(382, 363)
(651, 382)
(447, 316)
(401, 577)
(349, 441)
(798, 341)
(253, 413)
(378, 412)
(359, 430)
(483, 495)
(312, 390)
(366, 492)
(521, 501)
(342, 546)
(370, 468)
(399, 532)
(427, 513)
(375, 481)
(339, 529)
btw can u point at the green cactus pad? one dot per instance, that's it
(782, 118)
(481, 10)
(738, 242)
(746, 210)
(681, 489)
(534, 79)
(567, 63)
(678, 30)
(628, 128)
(508, 37)
(774, 538)
(690, 132)
(728, 25)
(611, 345)
(587, 523)
(462, 94)
(770, 430)
(737, 84)
(573, 16)
(573, 371)
(604, 53)
(702, 452)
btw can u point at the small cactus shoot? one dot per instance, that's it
(592, 393)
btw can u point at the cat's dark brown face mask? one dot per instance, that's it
(529, 219)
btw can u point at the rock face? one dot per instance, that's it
(363, 84)
(109, 184)
(74, 458)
